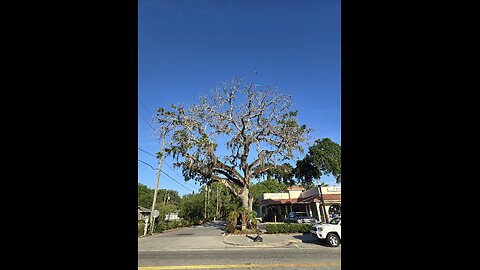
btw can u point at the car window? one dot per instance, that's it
(335, 221)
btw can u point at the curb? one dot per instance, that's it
(260, 243)
(171, 230)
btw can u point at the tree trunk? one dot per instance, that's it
(247, 201)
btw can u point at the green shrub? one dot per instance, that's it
(243, 217)
(288, 228)
(230, 227)
(158, 228)
(177, 224)
(272, 228)
(141, 228)
(171, 225)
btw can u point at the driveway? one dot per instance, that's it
(207, 236)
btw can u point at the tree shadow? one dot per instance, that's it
(220, 225)
(256, 238)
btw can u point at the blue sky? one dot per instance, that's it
(186, 47)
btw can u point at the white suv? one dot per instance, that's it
(331, 232)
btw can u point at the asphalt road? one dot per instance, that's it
(200, 237)
(202, 248)
(238, 258)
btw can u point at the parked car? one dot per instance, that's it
(300, 217)
(330, 232)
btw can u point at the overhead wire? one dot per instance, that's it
(165, 174)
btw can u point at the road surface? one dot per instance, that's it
(202, 248)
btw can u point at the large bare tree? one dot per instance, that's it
(257, 128)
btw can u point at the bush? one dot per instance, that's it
(230, 227)
(162, 226)
(177, 224)
(158, 228)
(288, 228)
(141, 228)
(242, 217)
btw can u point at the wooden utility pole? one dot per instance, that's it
(208, 198)
(205, 214)
(323, 203)
(216, 211)
(165, 199)
(156, 184)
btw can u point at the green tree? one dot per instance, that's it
(257, 127)
(191, 207)
(283, 173)
(267, 186)
(305, 172)
(165, 197)
(323, 158)
(145, 196)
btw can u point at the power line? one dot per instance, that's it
(176, 173)
(148, 123)
(165, 174)
(175, 180)
(146, 152)
(163, 161)
(144, 106)
(148, 165)
(173, 170)
(148, 110)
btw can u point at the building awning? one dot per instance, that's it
(316, 198)
(313, 198)
(278, 201)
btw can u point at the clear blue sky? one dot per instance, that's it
(186, 47)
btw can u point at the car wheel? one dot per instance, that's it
(333, 240)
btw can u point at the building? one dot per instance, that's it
(274, 207)
(172, 216)
(143, 213)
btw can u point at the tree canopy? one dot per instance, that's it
(257, 128)
(284, 174)
(268, 186)
(219, 203)
(164, 197)
(323, 158)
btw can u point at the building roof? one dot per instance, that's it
(143, 209)
(295, 188)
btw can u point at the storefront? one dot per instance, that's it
(319, 203)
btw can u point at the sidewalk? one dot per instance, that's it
(269, 240)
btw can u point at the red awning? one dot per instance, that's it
(278, 201)
(310, 199)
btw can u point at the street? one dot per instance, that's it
(202, 248)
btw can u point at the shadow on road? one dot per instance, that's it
(309, 238)
(220, 225)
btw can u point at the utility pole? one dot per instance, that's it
(323, 203)
(208, 197)
(216, 212)
(156, 184)
(165, 199)
(205, 214)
